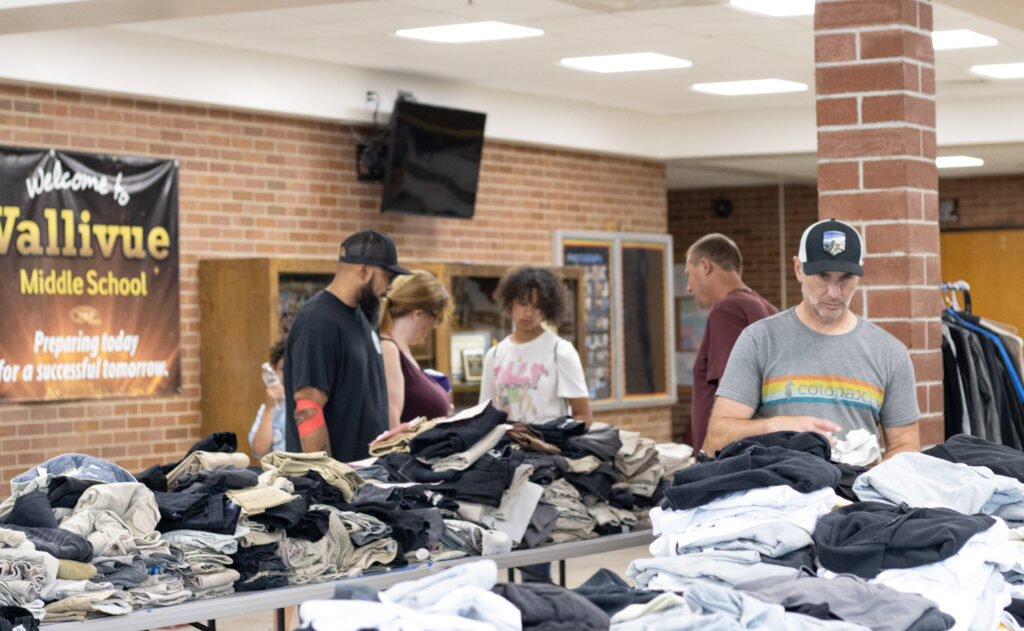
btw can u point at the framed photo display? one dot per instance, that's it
(467, 340)
(472, 363)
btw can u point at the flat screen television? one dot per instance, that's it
(433, 160)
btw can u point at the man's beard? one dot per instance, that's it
(369, 303)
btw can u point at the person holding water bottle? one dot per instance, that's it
(267, 433)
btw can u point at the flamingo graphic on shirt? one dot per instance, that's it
(514, 383)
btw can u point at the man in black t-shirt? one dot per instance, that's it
(333, 369)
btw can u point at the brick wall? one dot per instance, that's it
(754, 226)
(261, 185)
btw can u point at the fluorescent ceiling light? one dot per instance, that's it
(469, 32)
(1000, 71)
(956, 162)
(629, 62)
(961, 38)
(776, 8)
(19, 4)
(756, 86)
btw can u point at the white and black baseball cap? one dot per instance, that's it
(831, 246)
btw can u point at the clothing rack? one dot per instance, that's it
(983, 385)
(949, 292)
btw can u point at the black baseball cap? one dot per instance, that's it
(372, 248)
(831, 246)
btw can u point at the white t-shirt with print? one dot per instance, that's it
(532, 381)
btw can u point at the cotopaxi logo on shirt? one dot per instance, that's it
(826, 389)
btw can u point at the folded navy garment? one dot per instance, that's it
(226, 442)
(410, 528)
(216, 480)
(552, 608)
(283, 516)
(867, 537)
(405, 468)
(64, 492)
(255, 559)
(60, 543)
(482, 483)
(848, 474)
(598, 482)
(975, 451)
(756, 467)
(14, 618)
(31, 509)
(808, 442)
(560, 430)
(312, 526)
(546, 467)
(1016, 609)
(196, 511)
(155, 477)
(447, 438)
(611, 593)
(316, 489)
(262, 583)
(603, 442)
(376, 472)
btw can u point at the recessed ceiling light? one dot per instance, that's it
(756, 86)
(1000, 71)
(469, 32)
(956, 162)
(629, 62)
(17, 4)
(776, 8)
(961, 38)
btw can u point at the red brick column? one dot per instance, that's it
(875, 74)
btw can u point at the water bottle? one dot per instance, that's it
(270, 377)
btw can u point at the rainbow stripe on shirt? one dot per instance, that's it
(825, 389)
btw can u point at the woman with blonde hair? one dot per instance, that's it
(414, 307)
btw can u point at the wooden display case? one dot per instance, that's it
(243, 302)
(239, 320)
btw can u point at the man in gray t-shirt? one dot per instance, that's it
(818, 366)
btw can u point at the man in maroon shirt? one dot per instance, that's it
(714, 267)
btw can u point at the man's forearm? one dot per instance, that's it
(723, 430)
(901, 439)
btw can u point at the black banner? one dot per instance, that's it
(88, 276)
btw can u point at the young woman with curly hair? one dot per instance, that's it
(533, 374)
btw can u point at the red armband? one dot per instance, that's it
(313, 423)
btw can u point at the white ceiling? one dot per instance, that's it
(723, 43)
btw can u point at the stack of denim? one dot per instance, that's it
(208, 555)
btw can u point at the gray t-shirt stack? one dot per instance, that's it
(781, 367)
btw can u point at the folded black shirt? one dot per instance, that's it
(755, 467)
(808, 442)
(445, 439)
(867, 537)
